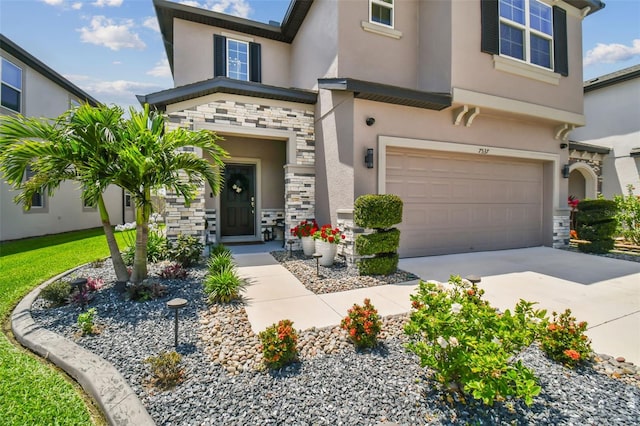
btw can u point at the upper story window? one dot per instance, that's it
(526, 31)
(381, 12)
(237, 59)
(11, 96)
(529, 31)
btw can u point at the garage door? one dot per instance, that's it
(458, 203)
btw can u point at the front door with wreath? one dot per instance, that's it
(237, 201)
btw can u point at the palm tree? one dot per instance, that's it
(80, 145)
(150, 158)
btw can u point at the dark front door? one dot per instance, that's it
(237, 201)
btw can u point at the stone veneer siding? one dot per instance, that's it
(299, 177)
(593, 160)
(561, 228)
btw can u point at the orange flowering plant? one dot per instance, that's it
(363, 324)
(279, 344)
(564, 340)
(328, 234)
(306, 228)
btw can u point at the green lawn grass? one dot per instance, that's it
(32, 392)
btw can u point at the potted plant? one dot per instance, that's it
(304, 231)
(327, 240)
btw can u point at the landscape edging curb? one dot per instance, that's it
(98, 378)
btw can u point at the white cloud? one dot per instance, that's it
(53, 2)
(161, 69)
(76, 6)
(239, 8)
(152, 23)
(116, 62)
(105, 32)
(612, 53)
(103, 3)
(118, 92)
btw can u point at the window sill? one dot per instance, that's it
(523, 69)
(380, 30)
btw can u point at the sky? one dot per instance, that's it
(113, 50)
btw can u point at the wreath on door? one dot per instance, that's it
(238, 183)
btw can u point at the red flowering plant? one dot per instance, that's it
(306, 228)
(564, 340)
(363, 324)
(279, 344)
(328, 234)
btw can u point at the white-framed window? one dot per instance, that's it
(37, 201)
(11, 96)
(127, 199)
(381, 12)
(237, 59)
(526, 31)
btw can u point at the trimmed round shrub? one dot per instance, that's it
(597, 223)
(378, 242)
(377, 211)
(385, 264)
(57, 293)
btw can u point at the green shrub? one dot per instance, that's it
(628, 215)
(278, 344)
(224, 286)
(145, 291)
(57, 293)
(157, 249)
(219, 262)
(186, 250)
(166, 369)
(363, 324)
(564, 340)
(86, 321)
(378, 242)
(596, 222)
(382, 265)
(469, 345)
(377, 211)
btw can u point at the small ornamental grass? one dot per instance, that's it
(224, 286)
(278, 344)
(469, 345)
(563, 340)
(363, 324)
(165, 369)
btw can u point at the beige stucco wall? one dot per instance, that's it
(193, 54)
(435, 38)
(613, 121)
(314, 50)
(64, 211)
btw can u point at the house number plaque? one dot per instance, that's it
(483, 151)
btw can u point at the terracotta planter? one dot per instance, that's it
(328, 252)
(308, 245)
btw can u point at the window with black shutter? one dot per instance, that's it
(237, 59)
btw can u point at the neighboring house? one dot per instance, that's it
(612, 110)
(31, 88)
(459, 107)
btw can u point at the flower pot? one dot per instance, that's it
(308, 245)
(328, 252)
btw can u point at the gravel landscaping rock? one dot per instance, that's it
(333, 384)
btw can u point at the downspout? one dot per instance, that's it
(123, 207)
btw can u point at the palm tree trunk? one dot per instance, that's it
(116, 258)
(143, 213)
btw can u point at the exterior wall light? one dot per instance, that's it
(563, 145)
(565, 171)
(368, 159)
(370, 121)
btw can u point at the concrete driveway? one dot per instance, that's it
(602, 291)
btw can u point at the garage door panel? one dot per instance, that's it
(455, 203)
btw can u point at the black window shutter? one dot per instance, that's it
(219, 56)
(255, 65)
(490, 21)
(560, 50)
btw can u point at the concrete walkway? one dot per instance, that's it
(604, 292)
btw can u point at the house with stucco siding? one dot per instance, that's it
(33, 89)
(612, 111)
(462, 108)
